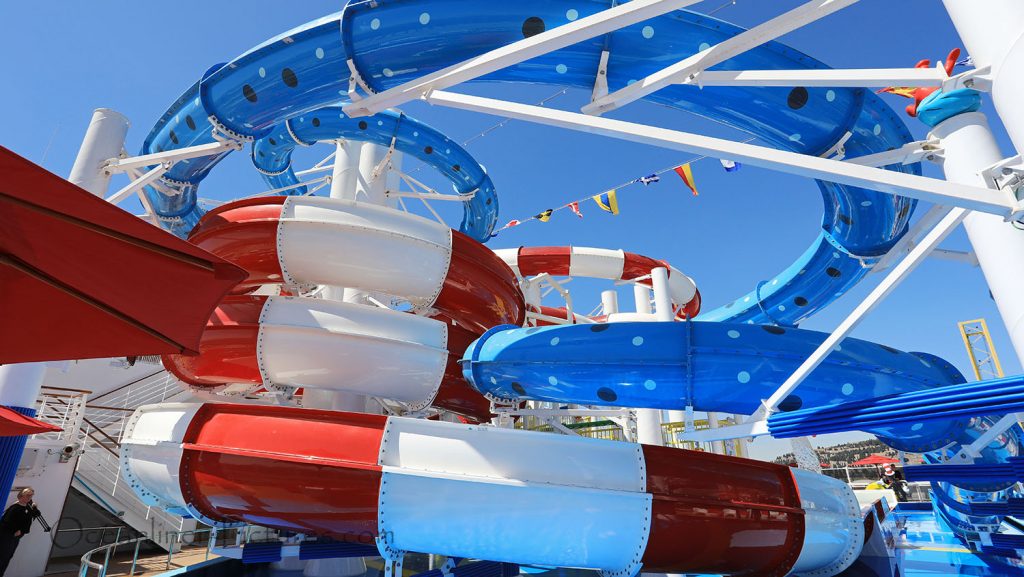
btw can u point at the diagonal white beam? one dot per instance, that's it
(929, 189)
(901, 271)
(680, 71)
(603, 22)
(758, 427)
(139, 183)
(846, 78)
(146, 160)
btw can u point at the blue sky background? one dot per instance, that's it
(63, 59)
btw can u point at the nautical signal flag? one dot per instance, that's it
(647, 180)
(730, 166)
(545, 216)
(607, 201)
(575, 208)
(686, 174)
(512, 223)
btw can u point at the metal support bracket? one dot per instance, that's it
(909, 153)
(355, 80)
(1006, 174)
(838, 150)
(968, 453)
(979, 79)
(140, 182)
(601, 80)
(115, 165)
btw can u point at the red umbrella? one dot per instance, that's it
(81, 278)
(874, 460)
(13, 424)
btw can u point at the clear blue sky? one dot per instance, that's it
(63, 59)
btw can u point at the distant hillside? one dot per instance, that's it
(842, 455)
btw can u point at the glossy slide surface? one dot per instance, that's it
(292, 342)
(271, 155)
(305, 69)
(437, 487)
(725, 367)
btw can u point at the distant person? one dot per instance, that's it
(15, 524)
(893, 479)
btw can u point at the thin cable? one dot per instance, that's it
(731, 3)
(515, 222)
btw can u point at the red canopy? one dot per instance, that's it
(81, 278)
(13, 424)
(874, 460)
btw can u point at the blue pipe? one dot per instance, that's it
(271, 155)
(11, 449)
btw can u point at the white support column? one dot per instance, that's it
(345, 175)
(104, 139)
(369, 188)
(999, 246)
(648, 421)
(642, 299)
(609, 302)
(993, 33)
(716, 446)
(662, 296)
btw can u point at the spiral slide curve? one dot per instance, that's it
(291, 342)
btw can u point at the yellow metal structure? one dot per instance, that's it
(984, 359)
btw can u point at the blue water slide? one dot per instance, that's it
(272, 153)
(726, 367)
(388, 43)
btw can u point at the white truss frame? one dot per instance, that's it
(1003, 203)
(566, 35)
(687, 69)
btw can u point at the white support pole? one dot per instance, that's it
(369, 187)
(687, 69)
(662, 296)
(642, 299)
(609, 302)
(104, 139)
(850, 78)
(648, 421)
(998, 246)
(888, 284)
(648, 427)
(716, 446)
(603, 22)
(923, 188)
(992, 33)
(345, 174)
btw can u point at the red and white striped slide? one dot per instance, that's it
(490, 493)
(601, 263)
(459, 286)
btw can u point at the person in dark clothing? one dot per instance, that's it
(893, 479)
(15, 524)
